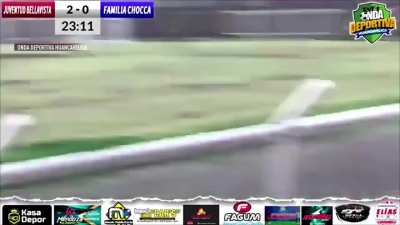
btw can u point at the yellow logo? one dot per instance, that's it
(14, 217)
(371, 21)
(118, 214)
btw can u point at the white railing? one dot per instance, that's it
(182, 147)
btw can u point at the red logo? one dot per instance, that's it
(387, 213)
(70, 212)
(242, 207)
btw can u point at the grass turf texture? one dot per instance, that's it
(122, 93)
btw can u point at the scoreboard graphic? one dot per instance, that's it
(77, 17)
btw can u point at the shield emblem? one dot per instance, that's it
(14, 217)
(371, 11)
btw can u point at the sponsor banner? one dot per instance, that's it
(142, 212)
(242, 213)
(316, 215)
(387, 213)
(365, 212)
(26, 214)
(77, 214)
(282, 215)
(353, 213)
(158, 214)
(118, 214)
(211, 211)
(200, 214)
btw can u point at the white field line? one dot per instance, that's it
(180, 147)
(301, 99)
(12, 125)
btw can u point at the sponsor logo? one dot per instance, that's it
(371, 21)
(242, 214)
(242, 207)
(77, 214)
(157, 215)
(26, 214)
(201, 214)
(316, 215)
(353, 213)
(277, 215)
(118, 214)
(387, 213)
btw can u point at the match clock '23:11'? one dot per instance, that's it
(77, 26)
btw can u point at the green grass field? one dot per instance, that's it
(122, 93)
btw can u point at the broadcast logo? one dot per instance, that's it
(118, 214)
(353, 213)
(242, 215)
(77, 214)
(387, 213)
(282, 215)
(26, 214)
(316, 215)
(371, 21)
(201, 214)
(157, 215)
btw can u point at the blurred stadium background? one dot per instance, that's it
(203, 66)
